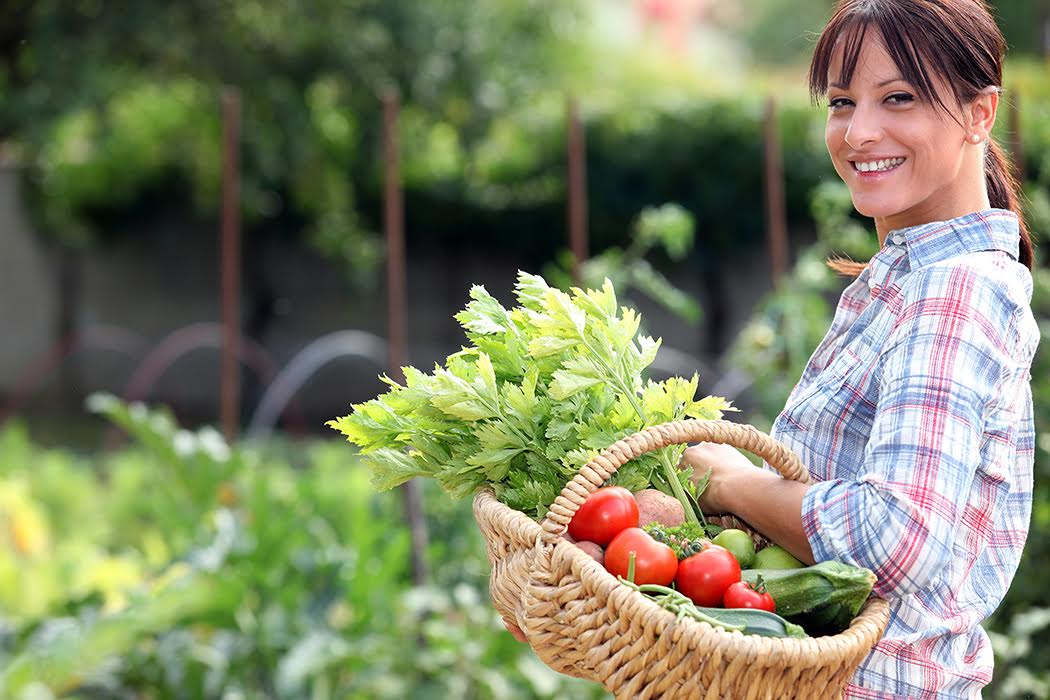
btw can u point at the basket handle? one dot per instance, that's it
(595, 473)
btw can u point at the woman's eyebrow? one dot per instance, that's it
(884, 83)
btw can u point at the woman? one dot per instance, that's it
(914, 414)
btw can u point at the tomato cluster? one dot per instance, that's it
(710, 578)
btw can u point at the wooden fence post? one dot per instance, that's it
(577, 189)
(776, 211)
(394, 230)
(230, 257)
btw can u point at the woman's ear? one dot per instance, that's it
(982, 112)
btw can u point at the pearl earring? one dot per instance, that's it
(976, 138)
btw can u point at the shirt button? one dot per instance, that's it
(897, 239)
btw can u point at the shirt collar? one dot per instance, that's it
(936, 241)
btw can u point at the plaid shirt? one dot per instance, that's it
(914, 416)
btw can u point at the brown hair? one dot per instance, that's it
(956, 39)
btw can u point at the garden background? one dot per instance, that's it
(145, 555)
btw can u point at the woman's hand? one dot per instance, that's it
(766, 501)
(723, 461)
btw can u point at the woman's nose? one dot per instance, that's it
(863, 129)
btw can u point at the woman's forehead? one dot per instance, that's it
(872, 62)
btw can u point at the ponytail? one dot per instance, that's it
(846, 267)
(1004, 192)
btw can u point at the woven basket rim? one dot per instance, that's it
(601, 467)
(864, 629)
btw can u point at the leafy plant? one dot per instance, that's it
(293, 581)
(131, 118)
(542, 388)
(669, 228)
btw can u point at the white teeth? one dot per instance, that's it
(878, 165)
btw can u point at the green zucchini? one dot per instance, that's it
(824, 597)
(760, 622)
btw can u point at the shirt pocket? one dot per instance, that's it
(834, 404)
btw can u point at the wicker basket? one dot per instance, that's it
(582, 622)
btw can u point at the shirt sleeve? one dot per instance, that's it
(940, 370)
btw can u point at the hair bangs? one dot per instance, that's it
(850, 29)
(909, 38)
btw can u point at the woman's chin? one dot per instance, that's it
(874, 209)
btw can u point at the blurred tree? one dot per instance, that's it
(782, 30)
(110, 102)
(1025, 24)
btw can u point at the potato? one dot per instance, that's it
(595, 550)
(657, 506)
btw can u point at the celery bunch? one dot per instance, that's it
(539, 391)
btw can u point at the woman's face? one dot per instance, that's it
(899, 155)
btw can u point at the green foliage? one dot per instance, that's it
(513, 189)
(543, 388)
(1023, 23)
(260, 580)
(102, 156)
(778, 31)
(126, 117)
(669, 229)
(1022, 671)
(122, 123)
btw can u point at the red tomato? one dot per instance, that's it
(742, 595)
(654, 562)
(705, 576)
(603, 515)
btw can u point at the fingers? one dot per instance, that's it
(701, 457)
(514, 630)
(704, 455)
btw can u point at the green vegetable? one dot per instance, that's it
(747, 621)
(755, 621)
(739, 543)
(775, 557)
(540, 390)
(823, 598)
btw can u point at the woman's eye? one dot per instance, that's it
(900, 98)
(838, 102)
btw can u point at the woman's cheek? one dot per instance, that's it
(833, 140)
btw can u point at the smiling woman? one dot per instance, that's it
(912, 90)
(914, 415)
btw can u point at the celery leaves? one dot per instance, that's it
(542, 388)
